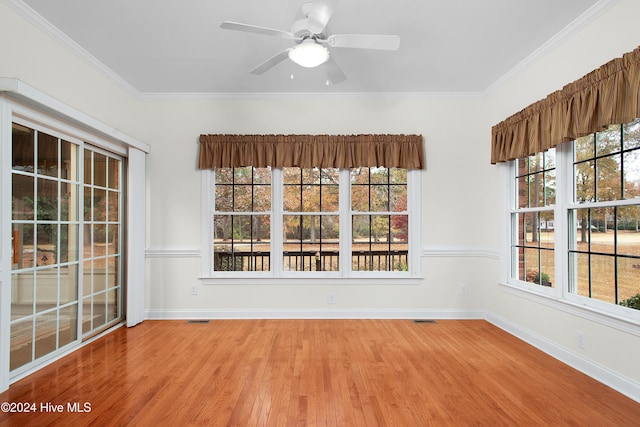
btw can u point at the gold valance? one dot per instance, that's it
(608, 95)
(307, 151)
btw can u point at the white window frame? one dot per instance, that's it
(345, 275)
(560, 293)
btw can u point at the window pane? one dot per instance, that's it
(22, 294)
(243, 175)
(68, 248)
(21, 343)
(46, 288)
(22, 148)
(522, 191)
(112, 305)
(22, 197)
(113, 271)
(114, 173)
(583, 148)
(113, 201)
(223, 175)
(330, 200)
(628, 230)
(99, 170)
(68, 283)
(67, 329)
(398, 198)
(68, 161)
(631, 133)
(47, 155)
(602, 232)
(68, 202)
(609, 185)
(584, 176)
(223, 198)
(99, 204)
(242, 198)
(360, 198)
(241, 243)
(292, 202)
(47, 200)
(628, 272)
(47, 238)
(22, 246)
(88, 167)
(608, 141)
(550, 188)
(631, 166)
(397, 176)
(603, 280)
(378, 175)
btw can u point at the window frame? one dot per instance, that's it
(277, 275)
(562, 293)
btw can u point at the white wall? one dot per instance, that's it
(615, 349)
(461, 207)
(175, 219)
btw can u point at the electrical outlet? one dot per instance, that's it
(331, 299)
(464, 288)
(580, 340)
(194, 289)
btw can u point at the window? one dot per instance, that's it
(65, 248)
(533, 219)
(592, 209)
(322, 222)
(604, 242)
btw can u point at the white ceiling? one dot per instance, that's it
(169, 46)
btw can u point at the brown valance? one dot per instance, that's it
(608, 95)
(307, 151)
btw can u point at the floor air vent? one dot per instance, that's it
(199, 322)
(424, 321)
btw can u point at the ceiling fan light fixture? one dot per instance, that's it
(309, 54)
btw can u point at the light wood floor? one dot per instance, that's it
(316, 372)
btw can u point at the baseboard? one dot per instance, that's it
(313, 314)
(596, 371)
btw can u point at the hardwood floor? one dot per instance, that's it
(314, 372)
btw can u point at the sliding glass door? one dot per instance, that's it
(102, 254)
(50, 221)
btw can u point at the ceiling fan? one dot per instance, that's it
(312, 38)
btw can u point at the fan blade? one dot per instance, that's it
(364, 41)
(237, 26)
(333, 72)
(320, 14)
(271, 62)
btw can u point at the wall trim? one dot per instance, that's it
(188, 252)
(460, 251)
(588, 367)
(451, 314)
(427, 251)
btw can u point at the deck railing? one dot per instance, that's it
(396, 260)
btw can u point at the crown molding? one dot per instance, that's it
(45, 26)
(593, 13)
(52, 31)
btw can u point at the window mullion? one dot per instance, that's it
(344, 191)
(277, 224)
(564, 197)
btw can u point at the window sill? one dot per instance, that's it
(387, 280)
(614, 320)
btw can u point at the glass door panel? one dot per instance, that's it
(45, 259)
(102, 250)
